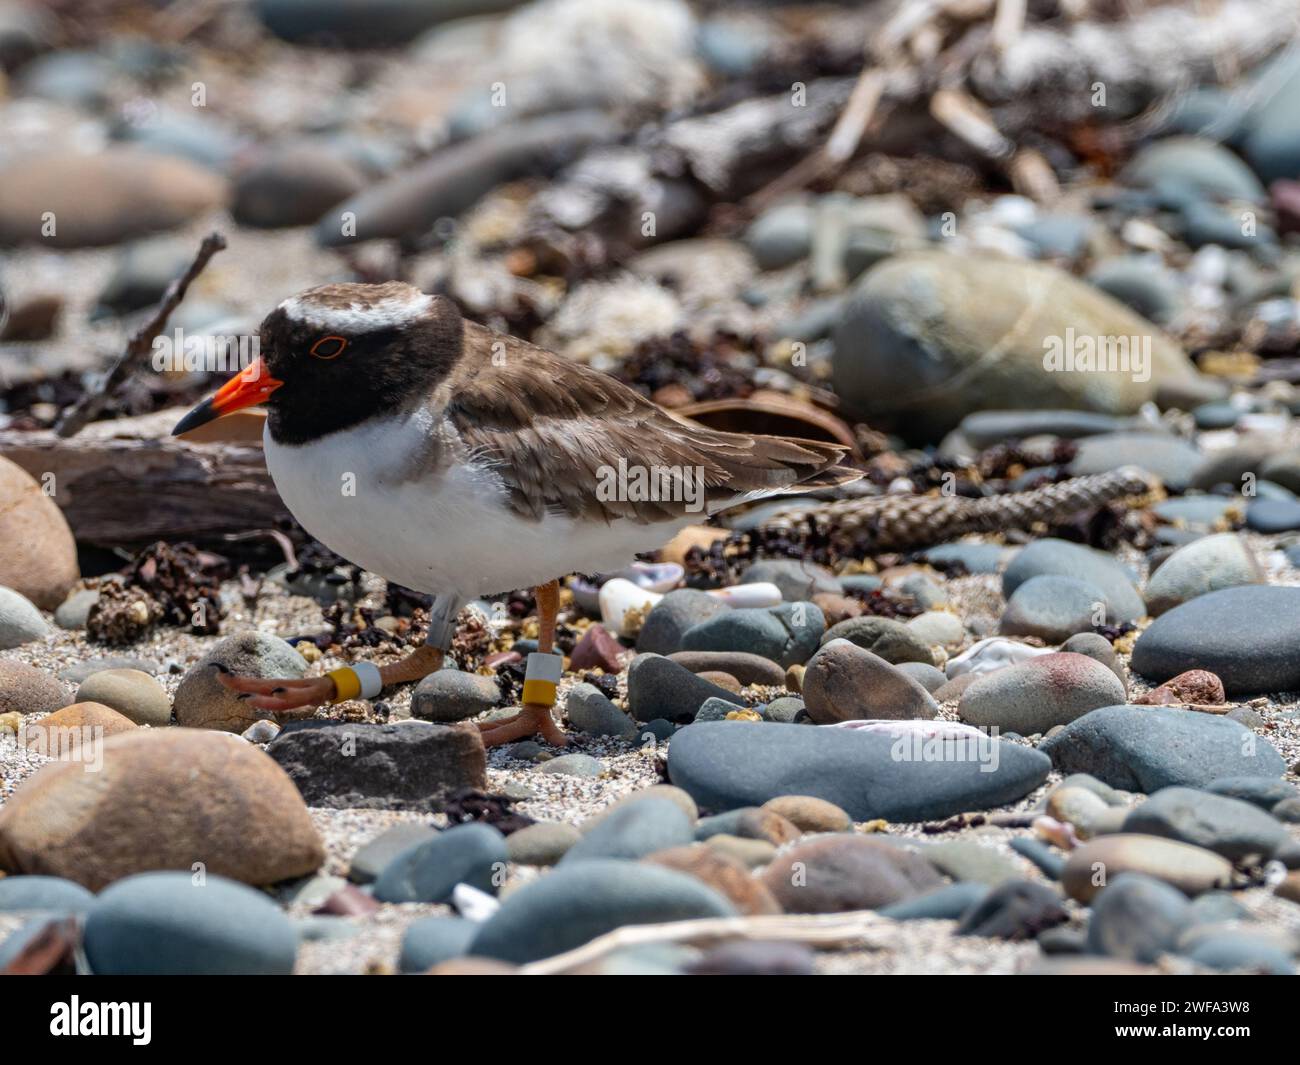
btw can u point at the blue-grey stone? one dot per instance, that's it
(1194, 510)
(663, 628)
(1263, 792)
(1210, 223)
(884, 637)
(449, 695)
(1246, 635)
(578, 902)
(976, 558)
(1271, 128)
(574, 765)
(473, 854)
(51, 893)
(870, 775)
(930, 678)
(715, 710)
(797, 579)
(1015, 910)
(1050, 862)
(164, 924)
(1137, 917)
(1062, 558)
(660, 688)
(1168, 457)
(1197, 165)
(1231, 827)
(1219, 414)
(591, 712)
(988, 427)
(947, 903)
(1145, 284)
(1273, 515)
(21, 622)
(374, 856)
(435, 939)
(1208, 564)
(1232, 951)
(633, 831)
(787, 634)
(786, 709)
(1051, 607)
(1146, 748)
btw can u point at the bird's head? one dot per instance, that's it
(335, 355)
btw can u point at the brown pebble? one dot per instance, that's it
(809, 813)
(1194, 686)
(472, 966)
(794, 679)
(722, 680)
(837, 608)
(722, 872)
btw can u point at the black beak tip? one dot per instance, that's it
(200, 415)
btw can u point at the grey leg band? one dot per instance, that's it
(442, 621)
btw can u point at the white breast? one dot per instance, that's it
(448, 531)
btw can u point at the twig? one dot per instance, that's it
(140, 344)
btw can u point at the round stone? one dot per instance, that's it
(1065, 559)
(1053, 608)
(131, 692)
(25, 689)
(203, 702)
(844, 682)
(1040, 694)
(449, 695)
(1203, 566)
(889, 639)
(20, 621)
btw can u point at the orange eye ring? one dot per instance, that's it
(340, 341)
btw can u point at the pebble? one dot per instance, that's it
(241, 818)
(473, 854)
(662, 631)
(1197, 686)
(578, 902)
(131, 692)
(579, 765)
(785, 710)
(844, 682)
(1144, 283)
(115, 195)
(544, 843)
(20, 621)
(372, 857)
(73, 611)
(1038, 695)
(1233, 952)
(1231, 827)
(261, 732)
(930, 678)
(947, 903)
(755, 958)
(1273, 515)
(405, 766)
(658, 687)
(25, 689)
(965, 859)
(1051, 607)
(975, 558)
(746, 668)
(835, 874)
(449, 695)
(675, 795)
(202, 702)
(591, 712)
(1192, 870)
(431, 940)
(1246, 635)
(79, 671)
(1196, 165)
(729, 877)
(1050, 862)
(1064, 559)
(633, 831)
(787, 634)
(1097, 647)
(1146, 748)
(748, 822)
(1206, 565)
(1014, 910)
(292, 185)
(1167, 457)
(1137, 917)
(938, 628)
(78, 716)
(164, 924)
(1263, 792)
(810, 814)
(51, 894)
(870, 775)
(889, 639)
(599, 649)
(798, 580)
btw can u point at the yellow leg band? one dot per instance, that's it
(539, 692)
(347, 685)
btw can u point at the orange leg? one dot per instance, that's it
(534, 719)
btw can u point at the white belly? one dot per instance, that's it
(442, 533)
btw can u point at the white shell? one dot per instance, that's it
(473, 904)
(761, 593)
(992, 653)
(263, 731)
(618, 598)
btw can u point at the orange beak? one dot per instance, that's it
(246, 389)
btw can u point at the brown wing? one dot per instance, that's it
(557, 431)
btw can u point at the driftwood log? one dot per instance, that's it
(128, 483)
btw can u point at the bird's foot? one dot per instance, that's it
(532, 720)
(282, 697)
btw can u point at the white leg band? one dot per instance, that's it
(542, 666)
(371, 682)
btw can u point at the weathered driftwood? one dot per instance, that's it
(128, 483)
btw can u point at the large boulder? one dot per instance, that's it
(39, 559)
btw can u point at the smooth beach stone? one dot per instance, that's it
(843, 682)
(1065, 559)
(1204, 511)
(591, 712)
(576, 903)
(1231, 951)
(1051, 607)
(1206, 565)
(166, 924)
(787, 634)
(964, 859)
(974, 558)
(891, 640)
(1137, 917)
(947, 903)
(20, 621)
(1096, 864)
(938, 628)
(1168, 457)
(1262, 792)
(745, 667)
(473, 854)
(633, 831)
(374, 856)
(131, 692)
(1247, 636)
(810, 814)
(431, 940)
(73, 611)
(669, 619)
(1049, 862)
(1196, 164)
(1273, 515)
(929, 677)
(1038, 695)
(1142, 283)
(656, 791)
(870, 775)
(201, 701)
(1014, 910)
(834, 874)
(1146, 748)
(1097, 647)
(658, 687)
(729, 877)
(53, 893)
(1227, 826)
(798, 580)
(449, 695)
(574, 765)
(748, 822)
(544, 843)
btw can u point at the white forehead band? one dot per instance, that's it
(360, 316)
